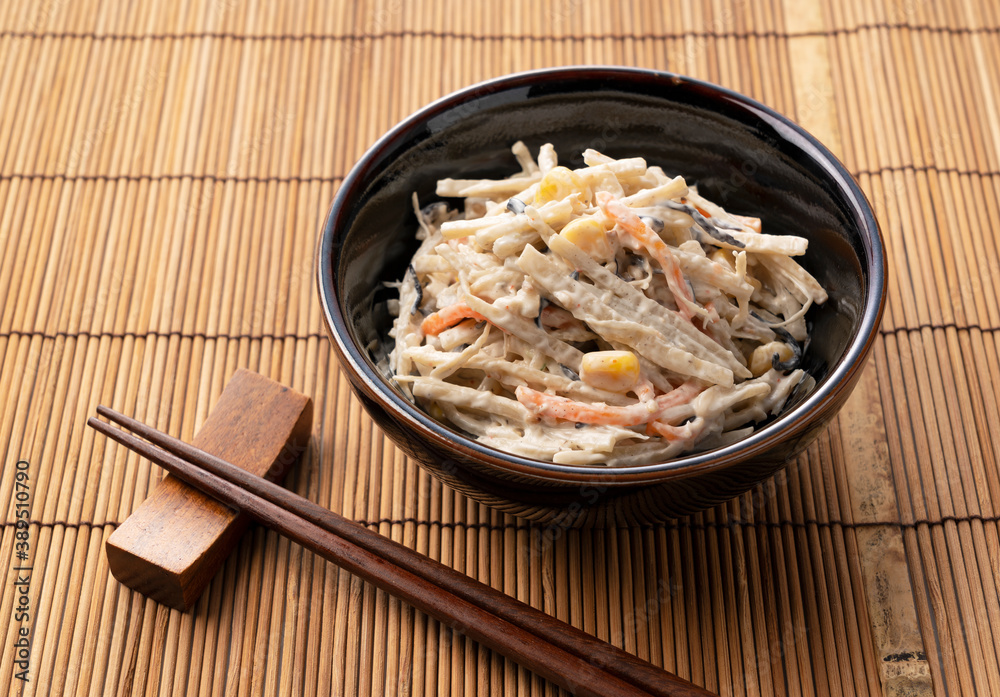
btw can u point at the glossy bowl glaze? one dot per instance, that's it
(741, 154)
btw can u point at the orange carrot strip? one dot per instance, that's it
(698, 208)
(633, 226)
(437, 322)
(644, 389)
(556, 407)
(673, 434)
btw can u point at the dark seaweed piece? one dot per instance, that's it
(643, 264)
(655, 223)
(580, 425)
(710, 226)
(723, 237)
(793, 362)
(543, 302)
(797, 394)
(725, 224)
(568, 372)
(417, 287)
(683, 207)
(575, 275)
(515, 206)
(624, 271)
(431, 210)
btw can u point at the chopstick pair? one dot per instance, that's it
(557, 651)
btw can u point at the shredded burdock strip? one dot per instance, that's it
(608, 314)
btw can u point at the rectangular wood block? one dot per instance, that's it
(175, 542)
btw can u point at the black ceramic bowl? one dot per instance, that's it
(740, 153)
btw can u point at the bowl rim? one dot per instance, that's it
(827, 395)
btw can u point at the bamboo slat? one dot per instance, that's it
(164, 171)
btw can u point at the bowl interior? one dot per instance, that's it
(740, 155)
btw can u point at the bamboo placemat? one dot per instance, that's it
(164, 171)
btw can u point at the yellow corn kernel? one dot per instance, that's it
(760, 359)
(557, 184)
(724, 257)
(436, 412)
(588, 234)
(615, 371)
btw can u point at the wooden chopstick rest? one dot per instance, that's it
(175, 542)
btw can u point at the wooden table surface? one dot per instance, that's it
(164, 172)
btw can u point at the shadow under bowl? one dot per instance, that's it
(741, 154)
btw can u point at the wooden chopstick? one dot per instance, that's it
(620, 663)
(551, 648)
